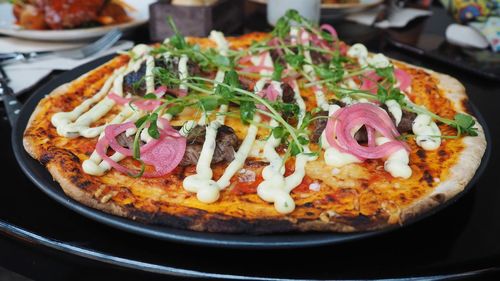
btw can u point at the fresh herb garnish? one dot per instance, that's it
(177, 39)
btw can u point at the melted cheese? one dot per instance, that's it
(427, 132)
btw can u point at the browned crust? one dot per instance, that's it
(470, 157)
(200, 220)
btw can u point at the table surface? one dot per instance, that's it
(45, 241)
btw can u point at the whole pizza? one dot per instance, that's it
(291, 130)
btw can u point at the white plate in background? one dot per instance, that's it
(8, 26)
(338, 10)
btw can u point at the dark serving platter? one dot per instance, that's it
(43, 180)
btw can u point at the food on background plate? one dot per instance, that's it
(340, 1)
(67, 14)
(288, 131)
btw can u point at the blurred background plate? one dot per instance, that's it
(8, 27)
(339, 10)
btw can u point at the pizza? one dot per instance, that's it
(291, 130)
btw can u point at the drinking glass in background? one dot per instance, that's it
(310, 9)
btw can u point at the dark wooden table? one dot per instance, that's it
(42, 240)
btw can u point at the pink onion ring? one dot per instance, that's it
(342, 123)
(142, 104)
(275, 43)
(160, 91)
(269, 93)
(330, 30)
(164, 153)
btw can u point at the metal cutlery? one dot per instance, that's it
(103, 43)
(11, 104)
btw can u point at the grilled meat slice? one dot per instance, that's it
(288, 93)
(134, 82)
(406, 123)
(226, 144)
(318, 126)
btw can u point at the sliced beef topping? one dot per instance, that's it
(288, 93)
(318, 57)
(338, 102)
(361, 135)
(125, 141)
(246, 83)
(319, 126)
(277, 58)
(406, 123)
(173, 66)
(226, 144)
(134, 82)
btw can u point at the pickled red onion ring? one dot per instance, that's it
(164, 153)
(160, 91)
(260, 65)
(340, 126)
(330, 30)
(275, 43)
(142, 104)
(269, 93)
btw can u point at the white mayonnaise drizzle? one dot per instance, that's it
(318, 91)
(427, 132)
(77, 122)
(207, 190)
(148, 77)
(183, 72)
(95, 165)
(275, 188)
(395, 109)
(397, 163)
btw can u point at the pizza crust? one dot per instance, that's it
(470, 157)
(199, 220)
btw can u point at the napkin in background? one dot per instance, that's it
(397, 17)
(24, 75)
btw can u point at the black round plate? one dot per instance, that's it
(42, 178)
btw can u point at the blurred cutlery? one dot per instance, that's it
(103, 43)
